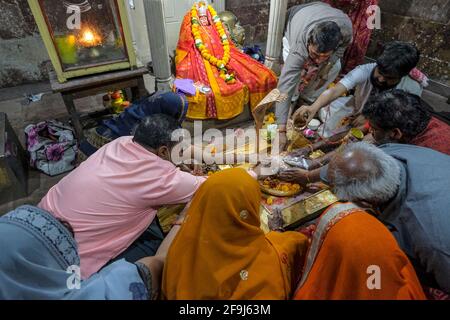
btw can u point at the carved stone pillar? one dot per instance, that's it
(156, 27)
(277, 17)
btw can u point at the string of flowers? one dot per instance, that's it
(219, 63)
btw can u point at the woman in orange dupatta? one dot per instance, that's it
(353, 256)
(220, 251)
(253, 81)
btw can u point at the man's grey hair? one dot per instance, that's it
(326, 36)
(377, 178)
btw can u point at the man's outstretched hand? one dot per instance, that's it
(304, 115)
(296, 175)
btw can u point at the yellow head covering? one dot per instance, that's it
(220, 251)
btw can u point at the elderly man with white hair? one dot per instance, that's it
(408, 189)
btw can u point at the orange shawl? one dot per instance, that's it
(253, 80)
(221, 252)
(350, 241)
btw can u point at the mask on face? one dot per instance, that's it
(379, 86)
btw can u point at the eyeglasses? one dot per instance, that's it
(313, 54)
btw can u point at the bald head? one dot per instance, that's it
(365, 173)
(355, 163)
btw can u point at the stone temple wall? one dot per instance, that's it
(425, 22)
(254, 17)
(22, 52)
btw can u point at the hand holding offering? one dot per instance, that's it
(303, 116)
(297, 175)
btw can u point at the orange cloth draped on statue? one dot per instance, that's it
(220, 251)
(253, 80)
(347, 245)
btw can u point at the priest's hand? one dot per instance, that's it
(197, 169)
(194, 169)
(282, 142)
(302, 152)
(261, 172)
(303, 115)
(358, 121)
(297, 175)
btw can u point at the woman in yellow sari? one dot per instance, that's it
(206, 54)
(220, 251)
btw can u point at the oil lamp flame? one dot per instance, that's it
(89, 38)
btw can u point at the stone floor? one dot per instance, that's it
(21, 112)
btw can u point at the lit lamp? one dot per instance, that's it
(90, 39)
(103, 43)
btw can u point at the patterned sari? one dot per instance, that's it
(253, 80)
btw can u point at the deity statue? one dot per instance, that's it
(203, 15)
(207, 55)
(234, 28)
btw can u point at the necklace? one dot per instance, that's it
(219, 63)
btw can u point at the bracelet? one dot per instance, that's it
(177, 223)
(146, 277)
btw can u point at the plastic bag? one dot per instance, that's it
(332, 116)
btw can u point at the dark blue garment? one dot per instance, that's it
(255, 52)
(145, 246)
(419, 215)
(172, 104)
(39, 260)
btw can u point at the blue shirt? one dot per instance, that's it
(419, 214)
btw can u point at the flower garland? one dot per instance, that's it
(219, 63)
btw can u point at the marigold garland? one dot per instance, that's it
(219, 63)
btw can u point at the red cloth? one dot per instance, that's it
(436, 136)
(419, 76)
(309, 71)
(356, 10)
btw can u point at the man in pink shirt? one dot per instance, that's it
(112, 198)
